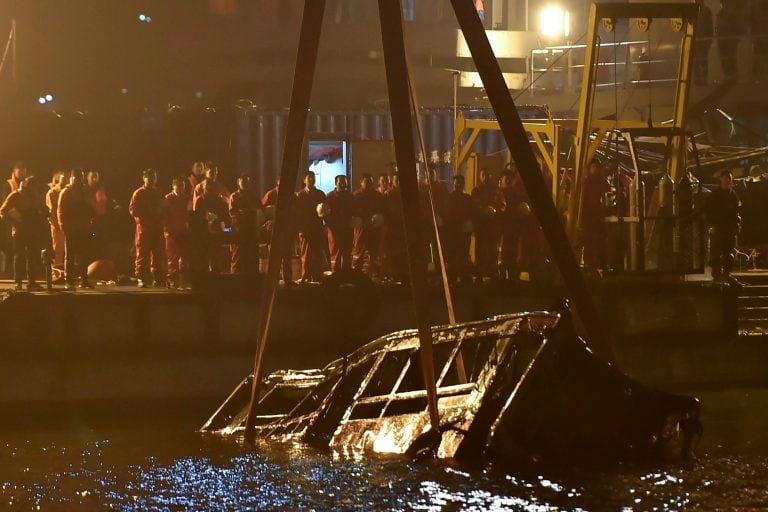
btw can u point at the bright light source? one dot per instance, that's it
(144, 18)
(555, 22)
(49, 97)
(124, 90)
(41, 100)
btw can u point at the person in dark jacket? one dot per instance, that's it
(25, 210)
(75, 218)
(722, 214)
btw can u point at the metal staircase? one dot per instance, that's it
(753, 303)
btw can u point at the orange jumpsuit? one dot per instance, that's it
(340, 231)
(313, 242)
(395, 253)
(459, 211)
(100, 202)
(176, 231)
(270, 199)
(487, 230)
(208, 232)
(75, 218)
(368, 237)
(243, 208)
(146, 207)
(28, 225)
(57, 235)
(521, 241)
(218, 189)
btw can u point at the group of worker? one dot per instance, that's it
(200, 226)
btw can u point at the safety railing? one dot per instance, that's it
(625, 64)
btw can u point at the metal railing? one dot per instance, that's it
(631, 63)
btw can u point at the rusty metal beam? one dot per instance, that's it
(541, 200)
(392, 36)
(306, 58)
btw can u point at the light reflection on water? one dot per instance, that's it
(173, 468)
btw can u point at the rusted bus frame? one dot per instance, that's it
(453, 390)
(687, 12)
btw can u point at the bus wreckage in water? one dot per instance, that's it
(533, 392)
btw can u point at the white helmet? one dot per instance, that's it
(377, 220)
(323, 210)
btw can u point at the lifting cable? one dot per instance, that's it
(11, 38)
(416, 112)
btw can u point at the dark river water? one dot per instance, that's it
(168, 466)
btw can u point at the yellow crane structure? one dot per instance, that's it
(588, 132)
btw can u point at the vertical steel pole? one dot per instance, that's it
(540, 197)
(390, 12)
(311, 26)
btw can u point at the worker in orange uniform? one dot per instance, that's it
(394, 252)
(98, 196)
(214, 185)
(59, 181)
(487, 226)
(245, 211)
(459, 215)
(269, 202)
(76, 218)
(313, 242)
(210, 218)
(146, 207)
(196, 176)
(369, 207)
(341, 205)
(26, 212)
(512, 202)
(178, 206)
(12, 184)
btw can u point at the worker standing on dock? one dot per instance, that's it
(269, 202)
(75, 218)
(60, 178)
(210, 218)
(341, 206)
(98, 196)
(487, 228)
(25, 210)
(369, 206)
(146, 207)
(178, 205)
(313, 241)
(460, 211)
(12, 184)
(214, 185)
(196, 176)
(245, 211)
(722, 214)
(394, 251)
